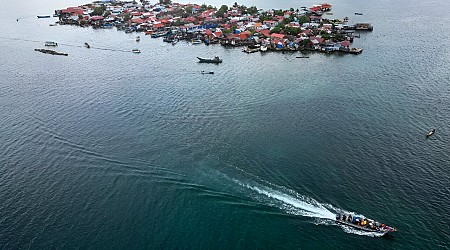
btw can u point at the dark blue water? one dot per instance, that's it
(110, 149)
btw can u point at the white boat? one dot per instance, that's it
(52, 44)
(138, 38)
(364, 224)
(136, 51)
(196, 41)
(431, 132)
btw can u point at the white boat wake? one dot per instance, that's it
(296, 204)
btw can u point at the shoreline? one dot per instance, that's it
(237, 26)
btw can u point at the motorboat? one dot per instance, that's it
(43, 16)
(87, 45)
(358, 14)
(51, 44)
(431, 132)
(51, 52)
(207, 72)
(196, 41)
(138, 38)
(364, 224)
(210, 60)
(136, 51)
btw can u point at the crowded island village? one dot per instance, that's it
(256, 30)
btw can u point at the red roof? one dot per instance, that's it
(279, 36)
(345, 43)
(243, 36)
(265, 33)
(96, 18)
(208, 32)
(137, 20)
(158, 25)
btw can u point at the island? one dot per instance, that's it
(255, 29)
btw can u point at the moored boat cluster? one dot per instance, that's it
(237, 25)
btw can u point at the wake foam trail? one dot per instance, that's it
(351, 230)
(292, 203)
(296, 204)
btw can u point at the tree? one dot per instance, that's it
(304, 19)
(252, 10)
(278, 12)
(106, 14)
(188, 9)
(127, 17)
(98, 11)
(305, 42)
(275, 30)
(221, 12)
(165, 2)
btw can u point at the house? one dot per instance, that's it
(270, 23)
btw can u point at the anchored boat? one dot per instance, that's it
(210, 60)
(430, 133)
(51, 44)
(361, 223)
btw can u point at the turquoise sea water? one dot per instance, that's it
(109, 149)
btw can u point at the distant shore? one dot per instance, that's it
(238, 25)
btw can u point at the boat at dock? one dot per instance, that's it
(210, 60)
(364, 224)
(51, 44)
(158, 34)
(196, 41)
(431, 132)
(51, 52)
(252, 49)
(352, 50)
(43, 16)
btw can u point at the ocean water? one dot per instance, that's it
(106, 149)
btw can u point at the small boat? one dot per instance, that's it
(207, 72)
(136, 51)
(51, 44)
(364, 224)
(51, 52)
(302, 57)
(175, 41)
(358, 14)
(43, 16)
(87, 45)
(196, 41)
(53, 24)
(430, 133)
(210, 60)
(252, 49)
(55, 15)
(138, 38)
(263, 48)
